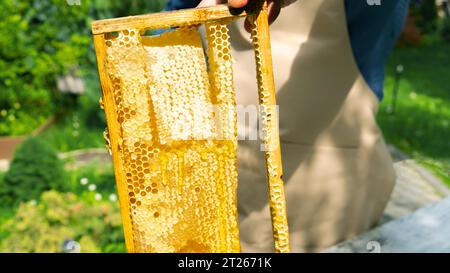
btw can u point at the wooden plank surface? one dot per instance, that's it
(167, 19)
(424, 231)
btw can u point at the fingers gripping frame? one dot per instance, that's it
(153, 169)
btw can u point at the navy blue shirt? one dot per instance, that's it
(373, 30)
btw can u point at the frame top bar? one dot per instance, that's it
(168, 19)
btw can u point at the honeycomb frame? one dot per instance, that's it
(145, 130)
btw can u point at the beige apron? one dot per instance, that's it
(338, 173)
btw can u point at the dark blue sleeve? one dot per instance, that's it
(176, 5)
(373, 31)
(181, 4)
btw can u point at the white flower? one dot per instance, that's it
(92, 187)
(84, 181)
(98, 196)
(33, 202)
(112, 197)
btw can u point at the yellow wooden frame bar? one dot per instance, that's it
(167, 19)
(113, 130)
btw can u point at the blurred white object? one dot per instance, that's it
(70, 84)
(112, 197)
(98, 196)
(84, 181)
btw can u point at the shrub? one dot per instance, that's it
(426, 12)
(97, 172)
(445, 32)
(57, 217)
(411, 35)
(35, 168)
(40, 40)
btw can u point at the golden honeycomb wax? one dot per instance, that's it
(177, 139)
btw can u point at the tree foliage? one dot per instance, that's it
(426, 14)
(41, 40)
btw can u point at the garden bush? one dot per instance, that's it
(445, 32)
(34, 169)
(43, 226)
(426, 13)
(41, 40)
(98, 173)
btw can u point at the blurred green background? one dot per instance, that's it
(48, 195)
(43, 203)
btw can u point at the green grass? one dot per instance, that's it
(420, 125)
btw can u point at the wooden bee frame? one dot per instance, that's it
(192, 17)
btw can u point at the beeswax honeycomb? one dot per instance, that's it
(268, 112)
(178, 154)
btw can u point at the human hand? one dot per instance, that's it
(273, 7)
